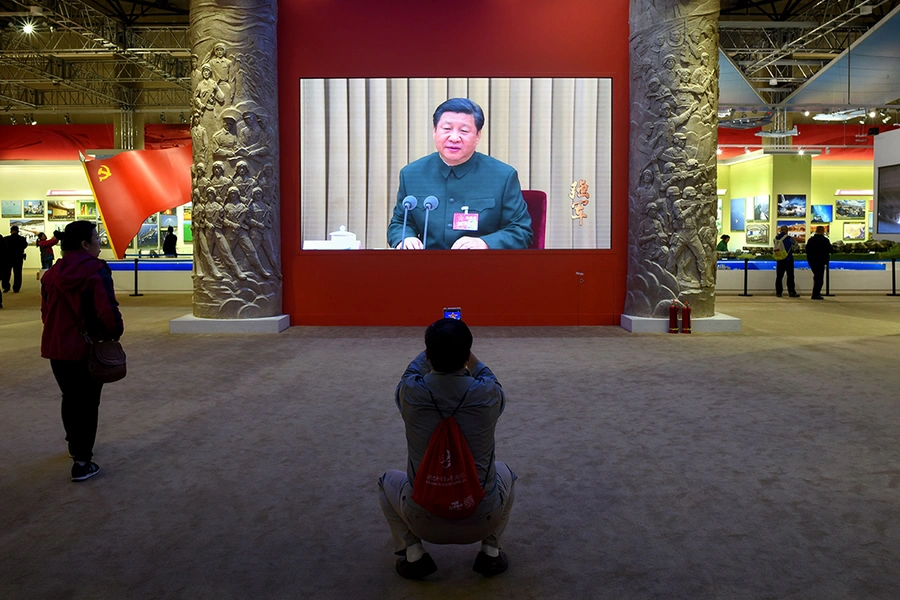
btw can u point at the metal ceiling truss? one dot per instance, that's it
(74, 16)
(793, 40)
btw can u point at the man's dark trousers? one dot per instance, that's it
(818, 271)
(782, 267)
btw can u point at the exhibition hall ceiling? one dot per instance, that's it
(83, 56)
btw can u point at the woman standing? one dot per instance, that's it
(77, 301)
(46, 248)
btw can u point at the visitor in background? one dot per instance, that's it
(46, 248)
(722, 246)
(169, 243)
(818, 255)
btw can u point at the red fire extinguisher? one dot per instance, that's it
(673, 318)
(686, 319)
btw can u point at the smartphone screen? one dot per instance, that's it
(453, 313)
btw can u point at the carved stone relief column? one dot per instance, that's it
(237, 260)
(672, 164)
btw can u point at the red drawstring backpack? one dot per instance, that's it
(447, 481)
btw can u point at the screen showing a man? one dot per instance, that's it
(479, 199)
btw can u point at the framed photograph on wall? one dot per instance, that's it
(761, 208)
(813, 228)
(850, 209)
(738, 214)
(11, 209)
(28, 228)
(855, 231)
(757, 233)
(87, 211)
(796, 229)
(821, 213)
(104, 236)
(792, 205)
(60, 210)
(33, 208)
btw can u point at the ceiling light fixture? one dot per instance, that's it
(746, 149)
(28, 28)
(67, 119)
(181, 116)
(12, 119)
(719, 150)
(872, 114)
(162, 117)
(773, 81)
(805, 113)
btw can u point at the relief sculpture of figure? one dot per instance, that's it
(204, 265)
(260, 221)
(242, 179)
(226, 139)
(223, 71)
(209, 94)
(219, 244)
(235, 222)
(686, 238)
(219, 182)
(199, 138)
(253, 137)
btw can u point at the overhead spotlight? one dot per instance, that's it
(800, 151)
(32, 120)
(805, 113)
(719, 150)
(862, 121)
(865, 10)
(886, 118)
(162, 117)
(773, 82)
(28, 28)
(827, 150)
(12, 119)
(746, 149)
(181, 116)
(67, 119)
(872, 114)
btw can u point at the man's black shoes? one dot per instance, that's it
(416, 570)
(490, 565)
(794, 295)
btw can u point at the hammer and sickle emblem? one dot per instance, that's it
(103, 172)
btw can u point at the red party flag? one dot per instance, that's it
(132, 185)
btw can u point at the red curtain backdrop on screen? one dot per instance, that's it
(52, 142)
(131, 186)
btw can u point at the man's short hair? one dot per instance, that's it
(460, 105)
(448, 343)
(14, 229)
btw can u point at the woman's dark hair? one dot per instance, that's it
(448, 343)
(75, 233)
(724, 237)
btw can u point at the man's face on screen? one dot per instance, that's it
(456, 137)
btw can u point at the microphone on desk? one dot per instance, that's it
(409, 203)
(430, 204)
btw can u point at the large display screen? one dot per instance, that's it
(888, 199)
(356, 135)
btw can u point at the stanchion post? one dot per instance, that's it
(746, 262)
(136, 277)
(827, 281)
(893, 278)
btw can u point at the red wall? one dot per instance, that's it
(52, 142)
(480, 38)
